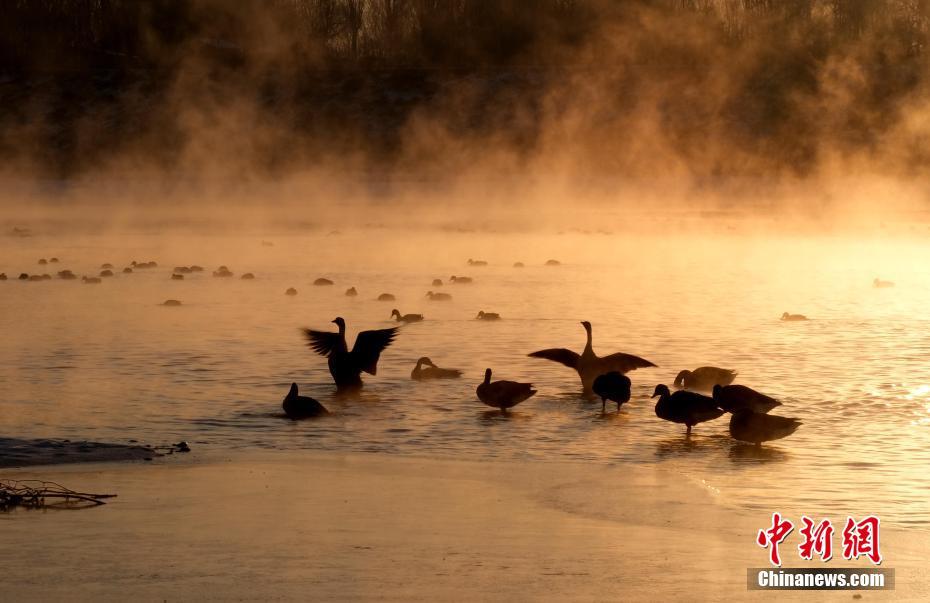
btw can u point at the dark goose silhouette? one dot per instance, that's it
(290, 291)
(346, 366)
(792, 317)
(685, 407)
(437, 282)
(704, 378)
(438, 296)
(177, 277)
(425, 369)
(386, 297)
(2, 276)
(612, 386)
(322, 282)
(301, 407)
(472, 262)
(461, 280)
(405, 318)
(503, 394)
(482, 315)
(733, 398)
(755, 427)
(553, 263)
(351, 292)
(588, 364)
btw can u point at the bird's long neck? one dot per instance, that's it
(293, 391)
(487, 377)
(588, 349)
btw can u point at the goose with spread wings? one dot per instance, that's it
(589, 365)
(346, 366)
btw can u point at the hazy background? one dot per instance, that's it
(453, 105)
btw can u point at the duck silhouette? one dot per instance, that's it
(425, 369)
(461, 280)
(386, 297)
(880, 284)
(472, 262)
(612, 386)
(685, 407)
(437, 282)
(588, 364)
(290, 291)
(406, 318)
(733, 398)
(438, 296)
(482, 315)
(322, 282)
(792, 317)
(503, 394)
(754, 427)
(346, 366)
(351, 292)
(704, 378)
(301, 407)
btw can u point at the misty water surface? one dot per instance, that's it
(107, 362)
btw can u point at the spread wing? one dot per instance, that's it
(561, 355)
(368, 348)
(322, 342)
(623, 363)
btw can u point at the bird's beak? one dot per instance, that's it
(333, 321)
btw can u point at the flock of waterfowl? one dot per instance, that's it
(602, 376)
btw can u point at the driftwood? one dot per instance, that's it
(36, 494)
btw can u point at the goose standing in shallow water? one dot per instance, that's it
(733, 398)
(754, 427)
(431, 371)
(405, 318)
(792, 317)
(704, 378)
(346, 367)
(588, 364)
(685, 407)
(301, 407)
(612, 386)
(503, 394)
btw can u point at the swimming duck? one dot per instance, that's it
(612, 386)
(425, 369)
(351, 292)
(66, 275)
(171, 302)
(553, 263)
(222, 272)
(588, 364)
(127, 270)
(685, 407)
(438, 296)
(53, 260)
(91, 280)
(503, 394)
(43, 262)
(386, 297)
(106, 273)
(106, 266)
(346, 367)
(177, 277)
(182, 270)
(461, 280)
(407, 318)
(518, 264)
(290, 291)
(194, 268)
(2, 276)
(301, 407)
(733, 398)
(322, 282)
(482, 315)
(704, 378)
(248, 276)
(755, 427)
(437, 282)
(23, 276)
(35, 277)
(472, 262)
(880, 284)
(792, 317)
(46, 277)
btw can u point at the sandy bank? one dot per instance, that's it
(315, 526)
